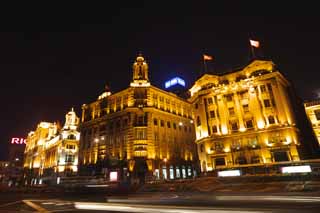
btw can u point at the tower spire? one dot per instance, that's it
(140, 72)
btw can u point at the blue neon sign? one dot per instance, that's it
(175, 81)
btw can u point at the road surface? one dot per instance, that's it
(160, 202)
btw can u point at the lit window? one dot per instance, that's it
(70, 146)
(218, 146)
(70, 158)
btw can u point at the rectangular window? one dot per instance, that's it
(212, 114)
(266, 103)
(253, 142)
(317, 113)
(231, 111)
(269, 87)
(171, 174)
(140, 133)
(245, 107)
(70, 158)
(198, 121)
(236, 144)
(168, 124)
(210, 101)
(263, 88)
(214, 129)
(249, 124)
(218, 146)
(229, 97)
(177, 172)
(162, 123)
(271, 119)
(174, 125)
(220, 162)
(70, 146)
(155, 122)
(234, 126)
(164, 172)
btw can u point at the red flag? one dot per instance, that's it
(254, 43)
(207, 57)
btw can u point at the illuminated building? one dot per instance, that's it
(313, 112)
(143, 130)
(50, 150)
(245, 118)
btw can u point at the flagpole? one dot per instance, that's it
(252, 52)
(205, 65)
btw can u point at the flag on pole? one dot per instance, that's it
(254, 43)
(207, 57)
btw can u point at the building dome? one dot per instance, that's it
(140, 58)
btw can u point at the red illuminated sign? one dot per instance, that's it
(18, 141)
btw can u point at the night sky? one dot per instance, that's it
(46, 70)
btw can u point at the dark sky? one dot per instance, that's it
(47, 69)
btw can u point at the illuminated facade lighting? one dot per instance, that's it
(147, 114)
(245, 117)
(312, 109)
(51, 148)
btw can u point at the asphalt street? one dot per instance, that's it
(160, 202)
